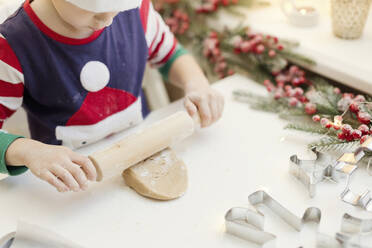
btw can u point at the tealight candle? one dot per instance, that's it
(304, 16)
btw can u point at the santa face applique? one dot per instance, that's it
(104, 110)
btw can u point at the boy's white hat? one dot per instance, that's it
(100, 6)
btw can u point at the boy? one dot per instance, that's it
(76, 66)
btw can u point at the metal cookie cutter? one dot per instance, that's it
(249, 225)
(363, 200)
(339, 241)
(262, 198)
(354, 225)
(349, 237)
(311, 172)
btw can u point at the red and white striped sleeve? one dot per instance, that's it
(160, 40)
(11, 81)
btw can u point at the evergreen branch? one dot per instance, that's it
(258, 102)
(326, 109)
(308, 128)
(292, 113)
(333, 144)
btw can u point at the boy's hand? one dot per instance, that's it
(206, 102)
(57, 165)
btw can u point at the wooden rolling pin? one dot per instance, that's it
(141, 145)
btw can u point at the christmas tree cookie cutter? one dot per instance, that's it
(249, 225)
(312, 172)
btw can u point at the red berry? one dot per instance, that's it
(336, 127)
(316, 118)
(280, 47)
(291, 93)
(230, 72)
(349, 137)
(357, 134)
(287, 88)
(298, 91)
(293, 69)
(360, 98)
(347, 129)
(245, 46)
(364, 118)
(364, 129)
(257, 39)
(280, 78)
(278, 95)
(297, 81)
(276, 40)
(267, 82)
(280, 84)
(225, 2)
(310, 108)
(329, 125)
(348, 95)
(303, 99)
(337, 91)
(293, 101)
(213, 35)
(364, 139)
(216, 51)
(341, 136)
(260, 49)
(354, 107)
(324, 121)
(272, 53)
(269, 85)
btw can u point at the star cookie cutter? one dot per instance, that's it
(312, 172)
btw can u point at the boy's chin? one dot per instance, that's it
(96, 28)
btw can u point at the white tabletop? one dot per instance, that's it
(346, 61)
(244, 152)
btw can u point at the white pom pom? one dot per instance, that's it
(94, 76)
